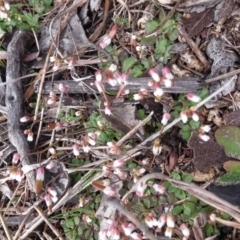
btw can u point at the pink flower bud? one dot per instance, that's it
(140, 189)
(51, 165)
(62, 88)
(48, 201)
(184, 116)
(15, 158)
(154, 74)
(105, 41)
(136, 236)
(118, 163)
(6, 5)
(167, 73)
(185, 230)
(195, 116)
(162, 220)
(109, 191)
(52, 191)
(30, 136)
(165, 118)
(167, 82)
(159, 188)
(25, 119)
(85, 146)
(170, 221)
(151, 221)
(92, 137)
(59, 126)
(128, 228)
(40, 174)
(193, 97)
(76, 150)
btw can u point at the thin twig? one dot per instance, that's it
(135, 129)
(5, 227)
(193, 46)
(56, 232)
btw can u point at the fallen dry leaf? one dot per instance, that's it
(206, 154)
(198, 21)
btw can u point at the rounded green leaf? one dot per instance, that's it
(229, 138)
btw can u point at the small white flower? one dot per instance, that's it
(184, 116)
(109, 191)
(205, 128)
(193, 97)
(158, 92)
(165, 118)
(113, 67)
(170, 221)
(204, 137)
(195, 116)
(154, 74)
(167, 73)
(168, 232)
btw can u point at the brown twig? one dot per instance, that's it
(5, 227)
(193, 46)
(55, 231)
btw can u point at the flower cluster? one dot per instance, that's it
(158, 81)
(202, 132)
(112, 77)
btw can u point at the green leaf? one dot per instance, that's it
(232, 166)
(151, 25)
(172, 36)
(145, 63)
(76, 220)
(137, 71)
(47, 2)
(193, 124)
(229, 138)
(189, 207)
(69, 223)
(186, 128)
(185, 135)
(209, 230)
(80, 231)
(148, 41)
(161, 15)
(128, 63)
(141, 114)
(186, 177)
(180, 194)
(177, 210)
(229, 178)
(161, 46)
